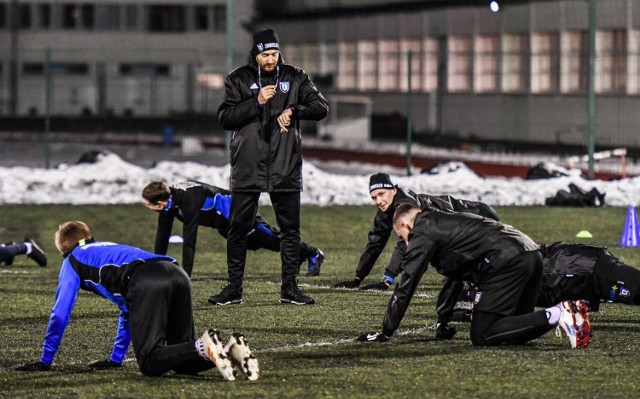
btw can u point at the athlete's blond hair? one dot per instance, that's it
(70, 233)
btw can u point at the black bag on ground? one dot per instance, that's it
(576, 197)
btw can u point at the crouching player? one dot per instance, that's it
(505, 264)
(155, 301)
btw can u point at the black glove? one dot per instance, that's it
(348, 284)
(373, 337)
(36, 366)
(104, 364)
(444, 332)
(379, 286)
(461, 315)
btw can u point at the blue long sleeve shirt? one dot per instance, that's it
(102, 268)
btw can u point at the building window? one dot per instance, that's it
(574, 61)
(70, 69)
(294, 54)
(33, 69)
(163, 70)
(514, 63)
(3, 15)
(24, 20)
(77, 16)
(201, 18)
(611, 61)
(210, 80)
(414, 47)
(346, 66)
(131, 16)
(459, 68)
(145, 69)
(388, 65)
(367, 72)
(486, 64)
(633, 63)
(166, 19)
(545, 62)
(69, 16)
(328, 60)
(44, 16)
(112, 17)
(219, 18)
(87, 15)
(310, 59)
(429, 65)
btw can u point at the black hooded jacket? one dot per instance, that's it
(461, 246)
(383, 226)
(262, 158)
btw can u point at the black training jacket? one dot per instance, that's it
(194, 204)
(569, 273)
(262, 158)
(461, 246)
(383, 226)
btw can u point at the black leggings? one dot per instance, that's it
(492, 329)
(161, 320)
(505, 314)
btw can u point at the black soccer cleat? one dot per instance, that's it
(37, 254)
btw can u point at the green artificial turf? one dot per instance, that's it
(308, 351)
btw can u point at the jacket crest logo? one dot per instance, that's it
(284, 87)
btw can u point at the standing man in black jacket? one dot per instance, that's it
(263, 103)
(200, 204)
(387, 197)
(505, 264)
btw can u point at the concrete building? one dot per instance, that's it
(518, 74)
(117, 57)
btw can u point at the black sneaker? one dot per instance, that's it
(315, 262)
(37, 254)
(294, 296)
(228, 296)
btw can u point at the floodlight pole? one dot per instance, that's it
(592, 96)
(229, 22)
(409, 112)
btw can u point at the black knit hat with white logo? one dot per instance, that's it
(380, 180)
(265, 40)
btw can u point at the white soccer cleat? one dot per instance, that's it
(215, 352)
(574, 320)
(242, 356)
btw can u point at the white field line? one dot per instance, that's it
(14, 271)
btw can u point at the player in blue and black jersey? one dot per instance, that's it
(200, 204)
(156, 311)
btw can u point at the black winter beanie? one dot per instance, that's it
(380, 180)
(265, 40)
